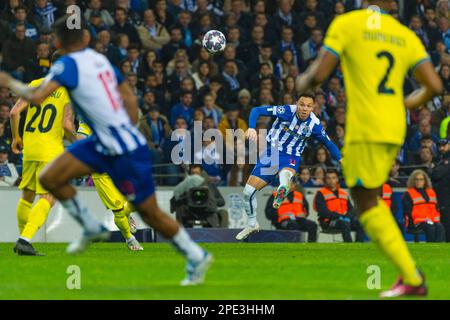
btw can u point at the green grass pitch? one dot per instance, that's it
(240, 271)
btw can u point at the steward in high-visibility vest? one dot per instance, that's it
(292, 213)
(424, 206)
(292, 209)
(386, 194)
(334, 208)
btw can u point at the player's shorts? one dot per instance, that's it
(270, 163)
(30, 176)
(108, 193)
(130, 172)
(368, 164)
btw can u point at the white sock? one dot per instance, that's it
(132, 238)
(25, 239)
(186, 246)
(81, 214)
(250, 204)
(285, 178)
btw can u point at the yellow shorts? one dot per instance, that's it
(108, 193)
(30, 176)
(368, 164)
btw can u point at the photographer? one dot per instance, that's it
(441, 182)
(195, 199)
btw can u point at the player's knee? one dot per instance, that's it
(249, 192)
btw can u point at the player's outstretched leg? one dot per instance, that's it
(198, 260)
(380, 226)
(121, 219)
(253, 185)
(283, 189)
(37, 217)
(55, 178)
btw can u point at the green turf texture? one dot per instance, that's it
(240, 271)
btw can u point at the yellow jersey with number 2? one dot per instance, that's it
(376, 52)
(43, 131)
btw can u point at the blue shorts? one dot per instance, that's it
(267, 167)
(130, 172)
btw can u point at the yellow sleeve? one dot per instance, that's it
(336, 37)
(84, 129)
(416, 53)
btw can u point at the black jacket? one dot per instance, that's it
(440, 178)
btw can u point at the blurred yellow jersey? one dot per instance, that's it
(84, 129)
(376, 52)
(43, 131)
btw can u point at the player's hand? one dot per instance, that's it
(251, 134)
(17, 145)
(4, 79)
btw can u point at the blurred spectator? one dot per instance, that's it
(311, 47)
(180, 55)
(8, 10)
(285, 16)
(233, 78)
(287, 42)
(20, 15)
(282, 67)
(153, 35)
(183, 109)
(441, 181)
(202, 77)
(444, 73)
(334, 209)
(4, 117)
(204, 56)
(163, 15)
(244, 103)
(39, 66)
(17, 51)
(231, 120)
(210, 109)
(176, 42)
(121, 25)
(305, 178)
(8, 172)
(443, 112)
(293, 213)
(45, 14)
(424, 129)
(420, 207)
(444, 29)
(155, 128)
(96, 5)
(184, 22)
(118, 51)
(318, 178)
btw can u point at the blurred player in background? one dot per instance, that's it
(293, 126)
(375, 57)
(108, 105)
(43, 135)
(113, 199)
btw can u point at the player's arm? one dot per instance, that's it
(319, 133)
(69, 123)
(431, 85)
(18, 108)
(35, 95)
(254, 115)
(318, 71)
(130, 102)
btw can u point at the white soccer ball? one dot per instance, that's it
(214, 41)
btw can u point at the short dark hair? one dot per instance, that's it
(308, 94)
(332, 171)
(67, 36)
(20, 7)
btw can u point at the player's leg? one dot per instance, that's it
(118, 204)
(24, 207)
(254, 184)
(366, 168)
(40, 210)
(285, 175)
(198, 259)
(28, 187)
(55, 178)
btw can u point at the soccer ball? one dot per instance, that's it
(214, 41)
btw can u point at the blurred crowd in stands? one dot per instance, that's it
(156, 44)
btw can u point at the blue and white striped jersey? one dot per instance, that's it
(93, 86)
(289, 133)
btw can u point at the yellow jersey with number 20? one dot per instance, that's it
(43, 131)
(376, 52)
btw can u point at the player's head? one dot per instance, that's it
(332, 179)
(305, 105)
(68, 36)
